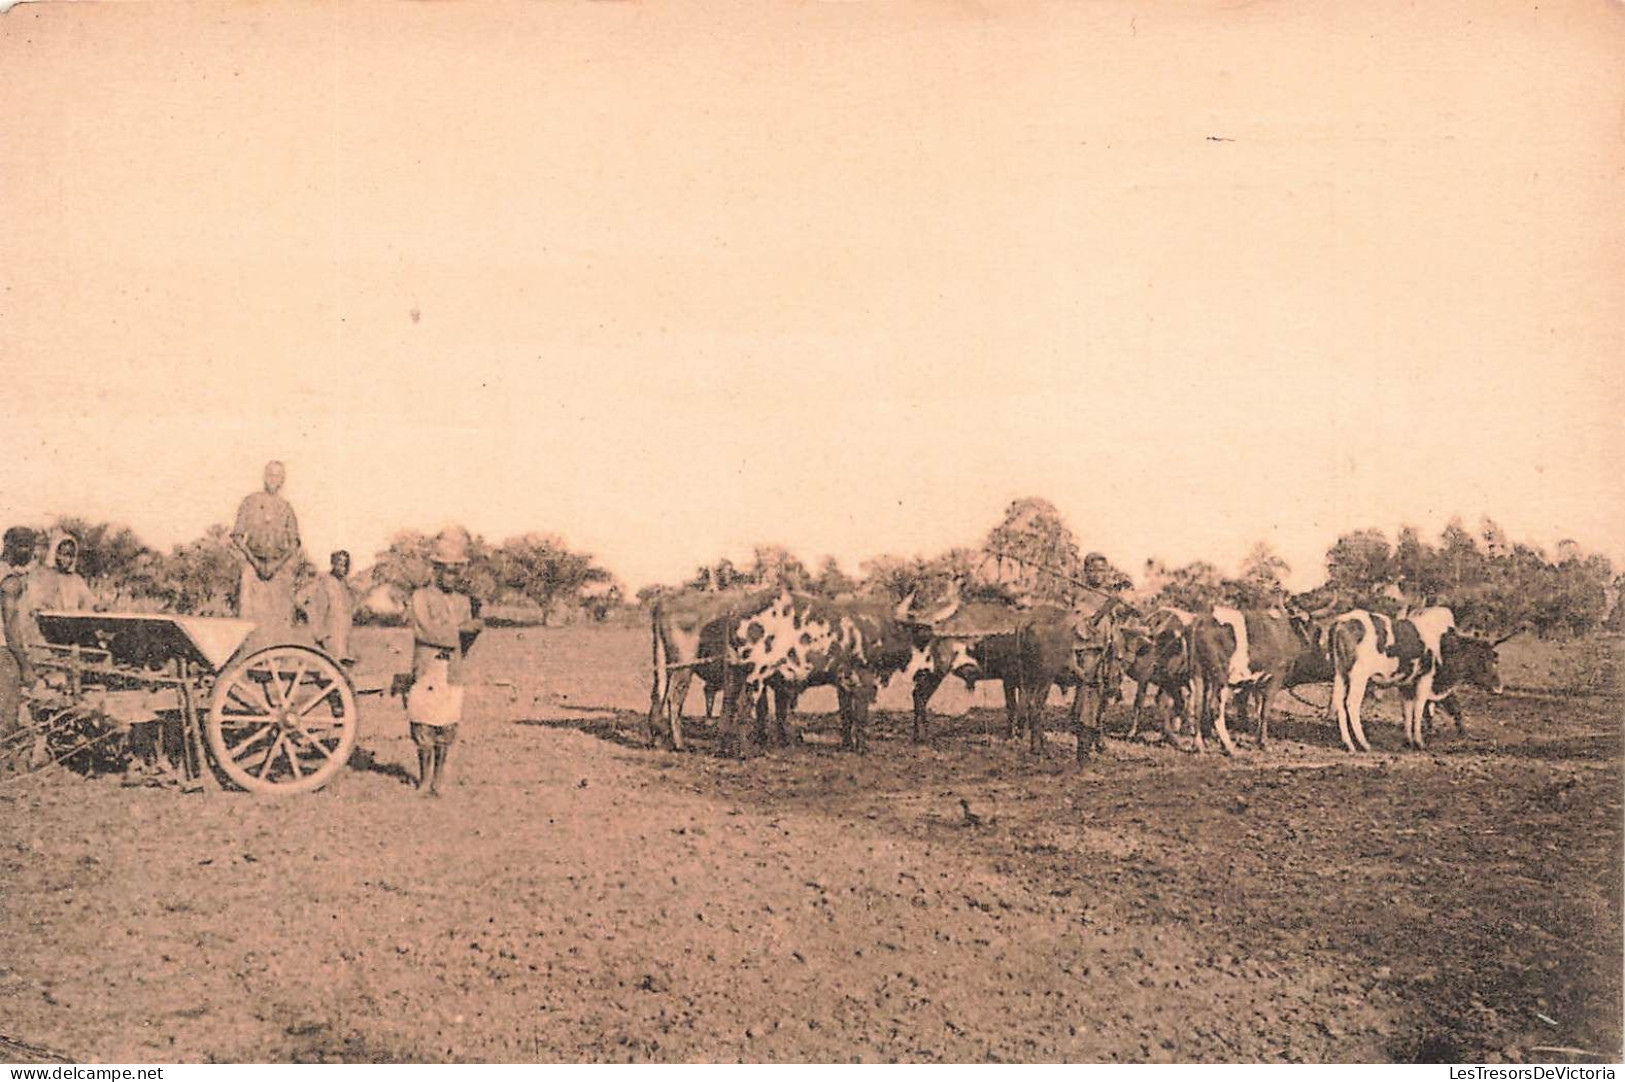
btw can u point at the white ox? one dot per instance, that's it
(1424, 656)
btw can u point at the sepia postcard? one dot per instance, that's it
(799, 531)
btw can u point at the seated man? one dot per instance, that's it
(55, 585)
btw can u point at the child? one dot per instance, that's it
(443, 628)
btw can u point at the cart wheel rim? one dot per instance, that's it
(282, 719)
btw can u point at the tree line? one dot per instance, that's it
(536, 577)
(1032, 556)
(1493, 582)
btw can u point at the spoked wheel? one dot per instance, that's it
(282, 720)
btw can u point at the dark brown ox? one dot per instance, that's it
(1159, 659)
(1029, 651)
(795, 641)
(1252, 652)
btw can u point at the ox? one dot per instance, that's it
(1248, 652)
(794, 641)
(1423, 655)
(1033, 650)
(1159, 658)
(688, 632)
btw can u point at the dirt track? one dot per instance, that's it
(577, 897)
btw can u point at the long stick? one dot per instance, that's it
(1058, 573)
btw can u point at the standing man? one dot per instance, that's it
(267, 536)
(443, 628)
(328, 606)
(16, 672)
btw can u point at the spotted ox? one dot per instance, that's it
(688, 631)
(794, 641)
(1253, 652)
(1422, 655)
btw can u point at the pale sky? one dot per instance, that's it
(674, 279)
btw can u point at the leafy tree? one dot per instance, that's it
(1035, 551)
(200, 577)
(1462, 564)
(1260, 583)
(894, 577)
(1496, 542)
(404, 565)
(1361, 562)
(831, 581)
(1194, 587)
(777, 566)
(722, 575)
(542, 569)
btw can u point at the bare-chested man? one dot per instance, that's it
(267, 536)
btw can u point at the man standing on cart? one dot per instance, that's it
(443, 628)
(267, 537)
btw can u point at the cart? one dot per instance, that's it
(281, 719)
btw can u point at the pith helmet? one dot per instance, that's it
(450, 546)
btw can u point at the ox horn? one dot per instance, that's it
(1515, 631)
(905, 607)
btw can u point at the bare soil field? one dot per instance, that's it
(577, 896)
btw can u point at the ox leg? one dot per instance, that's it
(1139, 704)
(1453, 708)
(1012, 710)
(759, 731)
(1265, 690)
(1193, 713)
(710, 692)
(1033, 702)
(843, 699)
(739, 697)
(1424, 691)
(1340, 709)
(925, 686)
(1176, 708)
(856, 708)
(676, 696)
(1220, 729)
(657, 708)
(1356, 701)
(783, 702)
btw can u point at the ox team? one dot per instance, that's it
(766, 645)
(1209, 666)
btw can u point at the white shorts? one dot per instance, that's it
(434, 700)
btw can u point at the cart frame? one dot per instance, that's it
(276, 719)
